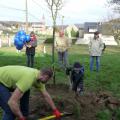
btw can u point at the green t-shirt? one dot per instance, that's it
(20, 76)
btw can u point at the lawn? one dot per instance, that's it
(105, 80)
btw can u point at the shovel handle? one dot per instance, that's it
(53, 116)
(50, 117)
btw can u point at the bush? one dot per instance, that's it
(104, 115)
(66, 34)
(49, 40)
(74, 33)
(74, 40)
(117, 114)
(76, 111)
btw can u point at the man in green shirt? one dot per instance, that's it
(19, 80)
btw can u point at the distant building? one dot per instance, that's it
(39, 26)
(81, 29)
(90, 27)
(70, 28)
(49, 30)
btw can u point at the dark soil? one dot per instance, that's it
(83, 107)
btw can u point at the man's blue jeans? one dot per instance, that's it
(5, 94)
(92, 62)
(63, 59)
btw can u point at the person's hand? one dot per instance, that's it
(22, 118)
(29, 46)
(57, 113)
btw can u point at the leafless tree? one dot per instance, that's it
(54, 6)
(115, 4)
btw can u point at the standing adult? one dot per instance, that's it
(95, 50)
(62, 45)
(30, 50)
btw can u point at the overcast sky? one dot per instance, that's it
(74, 11)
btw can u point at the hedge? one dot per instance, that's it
(49, 40)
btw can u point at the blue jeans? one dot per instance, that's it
(92, 63)
(63, 59)
(5, 94)
(30, 61)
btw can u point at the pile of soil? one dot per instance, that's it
(83, 107)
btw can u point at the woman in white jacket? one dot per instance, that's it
(95, 50)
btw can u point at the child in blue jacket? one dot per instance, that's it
(76, 74)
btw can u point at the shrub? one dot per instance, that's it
(76, 110)
(74, 40)
(74, 33)
(66, 34)
(49, 40)
(117, 114)
(104, 115)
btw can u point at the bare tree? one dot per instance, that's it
(54, 6)
(115, 22)
(115, 4)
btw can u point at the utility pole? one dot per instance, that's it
(26, 26)
(62, 22)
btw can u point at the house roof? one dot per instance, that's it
(62, 26)
(91, 23)
(79, 25)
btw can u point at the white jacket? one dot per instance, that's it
(95, 47)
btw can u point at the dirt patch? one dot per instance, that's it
(84, 107)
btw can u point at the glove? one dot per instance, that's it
(23, 118)
(56, 113)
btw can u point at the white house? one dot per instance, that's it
(70, 28)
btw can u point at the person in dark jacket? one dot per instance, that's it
(76, 74)
(30, 50)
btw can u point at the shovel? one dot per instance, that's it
(53, 116)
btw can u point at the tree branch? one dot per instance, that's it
(117, 2)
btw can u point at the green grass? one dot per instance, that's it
(104, 115)
(108, 79)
